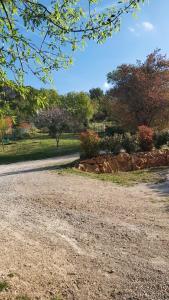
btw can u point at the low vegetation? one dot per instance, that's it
(121, 178)
(89, 143)
(57, 298)
(3, 285)
(23, 297)
(143, 140)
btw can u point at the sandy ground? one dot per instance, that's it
(82, 238)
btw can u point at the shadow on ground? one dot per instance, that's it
(162, 189)
(40, 169)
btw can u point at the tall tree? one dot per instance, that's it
(143, 90)
(35, 34)
(50, 97)
(79, 106)
(96, 93)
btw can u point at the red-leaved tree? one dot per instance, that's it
(145, 138)
(143, 90)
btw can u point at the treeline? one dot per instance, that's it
(26, 106)
(139, 95)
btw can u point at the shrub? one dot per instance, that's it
(109, 131)
(118, 142)
(130, 143)
(112, 144)
(17, 133)
(3, 285)
(89, 143)
(161, 139)
(145, 138)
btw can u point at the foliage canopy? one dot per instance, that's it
(79, 106)
(38, 36)
(55, 120)
(140, 92)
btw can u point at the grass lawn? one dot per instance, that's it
(122, 178)
(39, 147)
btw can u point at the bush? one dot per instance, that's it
(145, 138)
(17, 134)
(161, 139)
(112, 144)
(118, 142)
(90, 142)
(109, 131)
(130, 143)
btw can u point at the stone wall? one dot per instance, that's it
(108, 163)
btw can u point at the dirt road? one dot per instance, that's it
(82, 238)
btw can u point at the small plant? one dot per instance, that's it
(3, 285)
(161, 139)
(11, 275)
(57, 298)
(112, 144)
(23, 297)
(145, 138)
(89, 143)
(130, 143)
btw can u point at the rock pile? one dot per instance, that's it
(108, 163)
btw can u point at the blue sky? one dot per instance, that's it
(138, 37)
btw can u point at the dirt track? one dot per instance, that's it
(87, 239)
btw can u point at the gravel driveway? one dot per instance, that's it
(83, 238)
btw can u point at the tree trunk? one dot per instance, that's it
(57, 139)
(2, 144)
(57, 142)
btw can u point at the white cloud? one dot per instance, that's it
(140, 27)
(131, 29)
(106, 86)
(147, 26)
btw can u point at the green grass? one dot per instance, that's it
(39, 147)
(3, 285)
(121, 178)
(23, 297)
(57, 298)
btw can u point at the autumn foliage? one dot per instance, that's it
(89, 143)
(25, 125)
(140, 93)
(9, 122)
(145, 138)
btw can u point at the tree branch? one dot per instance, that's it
(10, 24)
